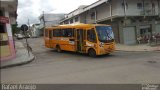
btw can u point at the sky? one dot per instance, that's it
(32, 9)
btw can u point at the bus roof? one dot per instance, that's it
(76, 25)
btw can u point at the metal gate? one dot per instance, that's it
(129, 36)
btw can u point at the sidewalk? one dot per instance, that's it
(22, 56)
(141, 47)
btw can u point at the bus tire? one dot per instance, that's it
(92, 53)
(108, 54)
(58, 49)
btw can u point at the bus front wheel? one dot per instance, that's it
(92, 52)
(58, 49)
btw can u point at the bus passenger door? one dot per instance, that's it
(80, 40)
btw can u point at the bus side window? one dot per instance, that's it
(46, 33)
(56, 33)
(91, 36)
(67, 32)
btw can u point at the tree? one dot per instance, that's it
(15, 28)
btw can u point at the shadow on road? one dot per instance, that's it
(81, 54)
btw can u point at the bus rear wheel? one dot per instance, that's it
(92, 53)
(58, 49)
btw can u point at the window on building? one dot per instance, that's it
(2, 27)
(133, 21)
(57, 33)
(139, 5)
(1, 13)
(145, 31)
(93, 15)
(71, 21)
(66, 22)
(140, 20)
(91, 36)
(76, 19)
(68, 32)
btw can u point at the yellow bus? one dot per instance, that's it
(92, 39)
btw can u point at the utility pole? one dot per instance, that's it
(158, 1)
(95, 18)
(28, 25)
(144, 9)
(111, 11)
(110, 7)
(125, 9)
(44, 23)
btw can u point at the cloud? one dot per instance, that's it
(32, 9)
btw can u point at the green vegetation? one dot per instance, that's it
(15, 29)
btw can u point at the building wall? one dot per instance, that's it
(103, 10)
(7, 50)
(157, 28)
(132, 9)
(137, 18)
(88, 16)
(82, 18)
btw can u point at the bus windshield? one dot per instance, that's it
(105, 34)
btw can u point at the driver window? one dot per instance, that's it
(91, 36)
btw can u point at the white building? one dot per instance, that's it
(49, 20)
(35, 30)
(8, 15)
(129, 18)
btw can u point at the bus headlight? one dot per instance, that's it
(101, 44)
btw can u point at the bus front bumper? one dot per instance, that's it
(106, 49)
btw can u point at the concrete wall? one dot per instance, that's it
(132, 9)
(103, 10)
(88, 16)
(157, 28)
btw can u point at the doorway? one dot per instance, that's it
(80, 39)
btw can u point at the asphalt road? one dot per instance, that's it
(51, 67)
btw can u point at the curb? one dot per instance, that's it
(18, 64)
(139, 51)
